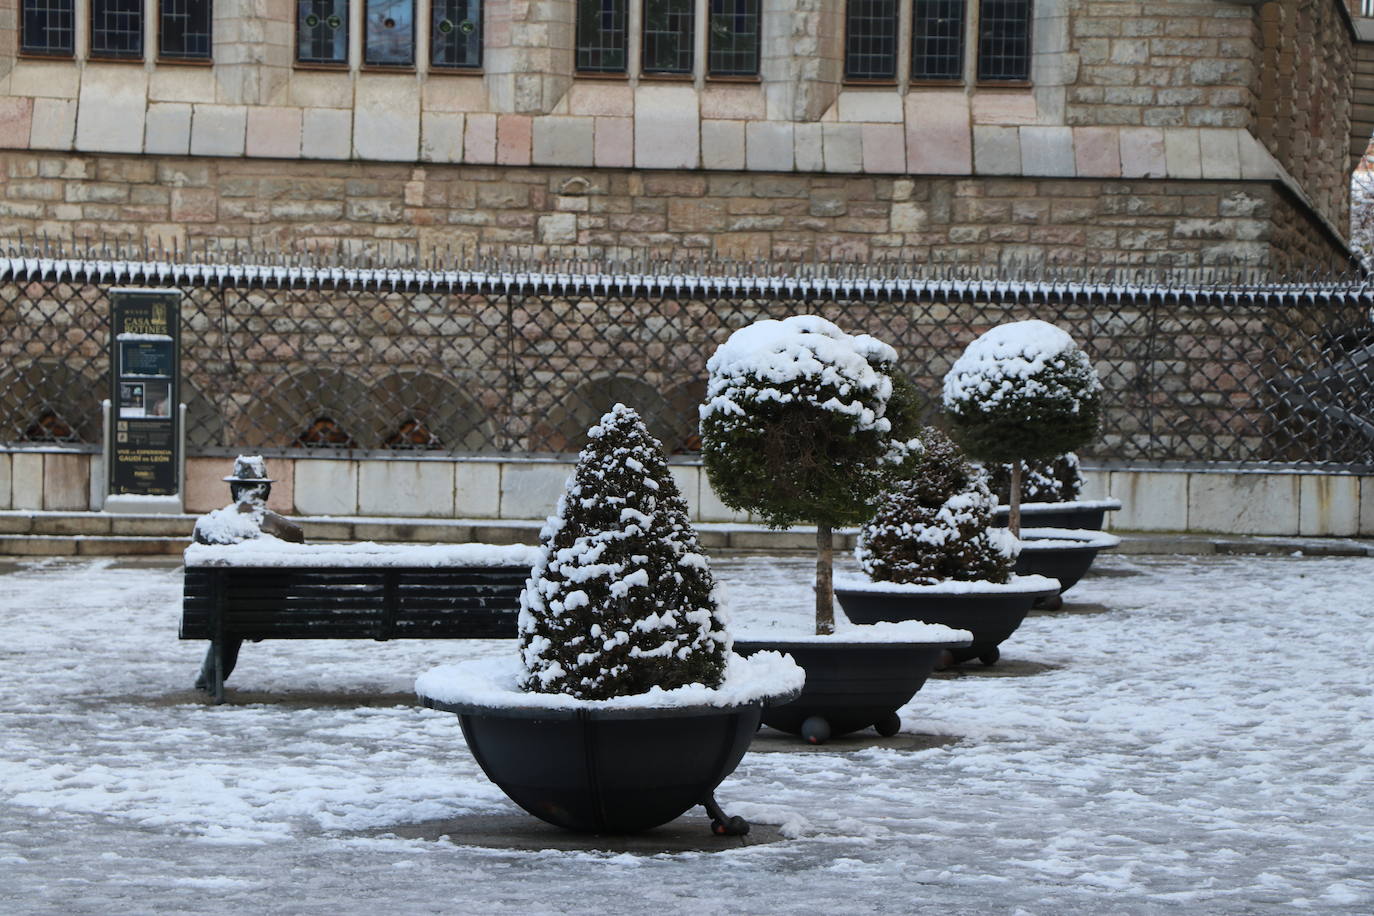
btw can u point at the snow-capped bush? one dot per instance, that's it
(1023, 391)
(1057, 480)
(794, 426)
(622, 598)
(935, 524)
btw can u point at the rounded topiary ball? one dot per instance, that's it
(935, 525)
(1023, 391)
(793, 427)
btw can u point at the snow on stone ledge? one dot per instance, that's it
(494, 683)
(847, 632)
(1017, 584)
(1110, 504)
(270, 551)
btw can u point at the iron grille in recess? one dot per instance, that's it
(517, 358)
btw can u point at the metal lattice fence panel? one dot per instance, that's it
(458, 363)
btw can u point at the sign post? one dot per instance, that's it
(144, 454)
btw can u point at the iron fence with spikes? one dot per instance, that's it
(480, 352)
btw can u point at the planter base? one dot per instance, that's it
(849, 686)
(610, 771)
(991, 618)
(1059, 559)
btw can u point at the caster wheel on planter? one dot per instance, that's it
(815, 730)
(889, 725)
(990, 657)
(1052, 603)
(731, 826)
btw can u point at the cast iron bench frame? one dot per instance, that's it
(347, 602)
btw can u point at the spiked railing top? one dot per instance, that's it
(523, 271)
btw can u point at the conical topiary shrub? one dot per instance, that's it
(1022, 391)
(622, 599)
(1056, 480)
(794, 429)
(934, 525)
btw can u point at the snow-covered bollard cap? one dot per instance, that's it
(249, 469)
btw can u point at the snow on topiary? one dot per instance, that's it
(1057, 480)
(935, 524)
(1022, 391)
(794, 429)
(621, 599)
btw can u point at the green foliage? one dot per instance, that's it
(1023, 391)
(622, 599)
(796, 433)
(1057, 480)
(935, 524)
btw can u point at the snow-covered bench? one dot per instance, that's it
(269, 589)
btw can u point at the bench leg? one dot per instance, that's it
(219, 663)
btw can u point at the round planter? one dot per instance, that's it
(1083, 514)
(607, 770)
(991, 613)
(1059, 553)
(849, 685)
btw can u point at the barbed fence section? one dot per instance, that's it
(301, 355)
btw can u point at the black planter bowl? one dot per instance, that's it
(990, 615)
(612, 767)
(1060, 553)
(849, 685)
(1085, 513)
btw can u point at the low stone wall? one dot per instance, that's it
(1198, 501)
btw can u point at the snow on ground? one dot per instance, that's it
(1204, 745)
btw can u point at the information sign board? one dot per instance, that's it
(145, 355)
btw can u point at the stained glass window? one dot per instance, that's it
(937, 40)
(389, 33)
(46, 27)
(733, 45)
(184, 29)
(601, 26)
(322, 31)
(871, 40)
(669, 36)
(1004, 40)
(455, 38)
(117, 29)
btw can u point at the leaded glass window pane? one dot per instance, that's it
(937, 40)
(389, 33)
(322, 31)
(117, 29)
(184, 29)
(47, 27)
(1004, 40)
(871, 40)
(669, 36)
(601, 28)
(455, 38)
(733, 48)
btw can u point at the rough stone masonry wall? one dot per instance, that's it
(590, 212)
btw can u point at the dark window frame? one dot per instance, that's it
(755, 12)
(1006, 42)
(581, 43)
(335, 63)
(852, 74)
(106, 54)
(47, 49)
(922, 42)
(163, 54)
(408, 64)
(480, 32)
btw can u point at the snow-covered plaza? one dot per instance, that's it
(1193, 735)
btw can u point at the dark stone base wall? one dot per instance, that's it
(559, 212)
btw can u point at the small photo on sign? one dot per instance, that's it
(157, 399)
(131, 399)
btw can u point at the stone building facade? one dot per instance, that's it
(1157, 134)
